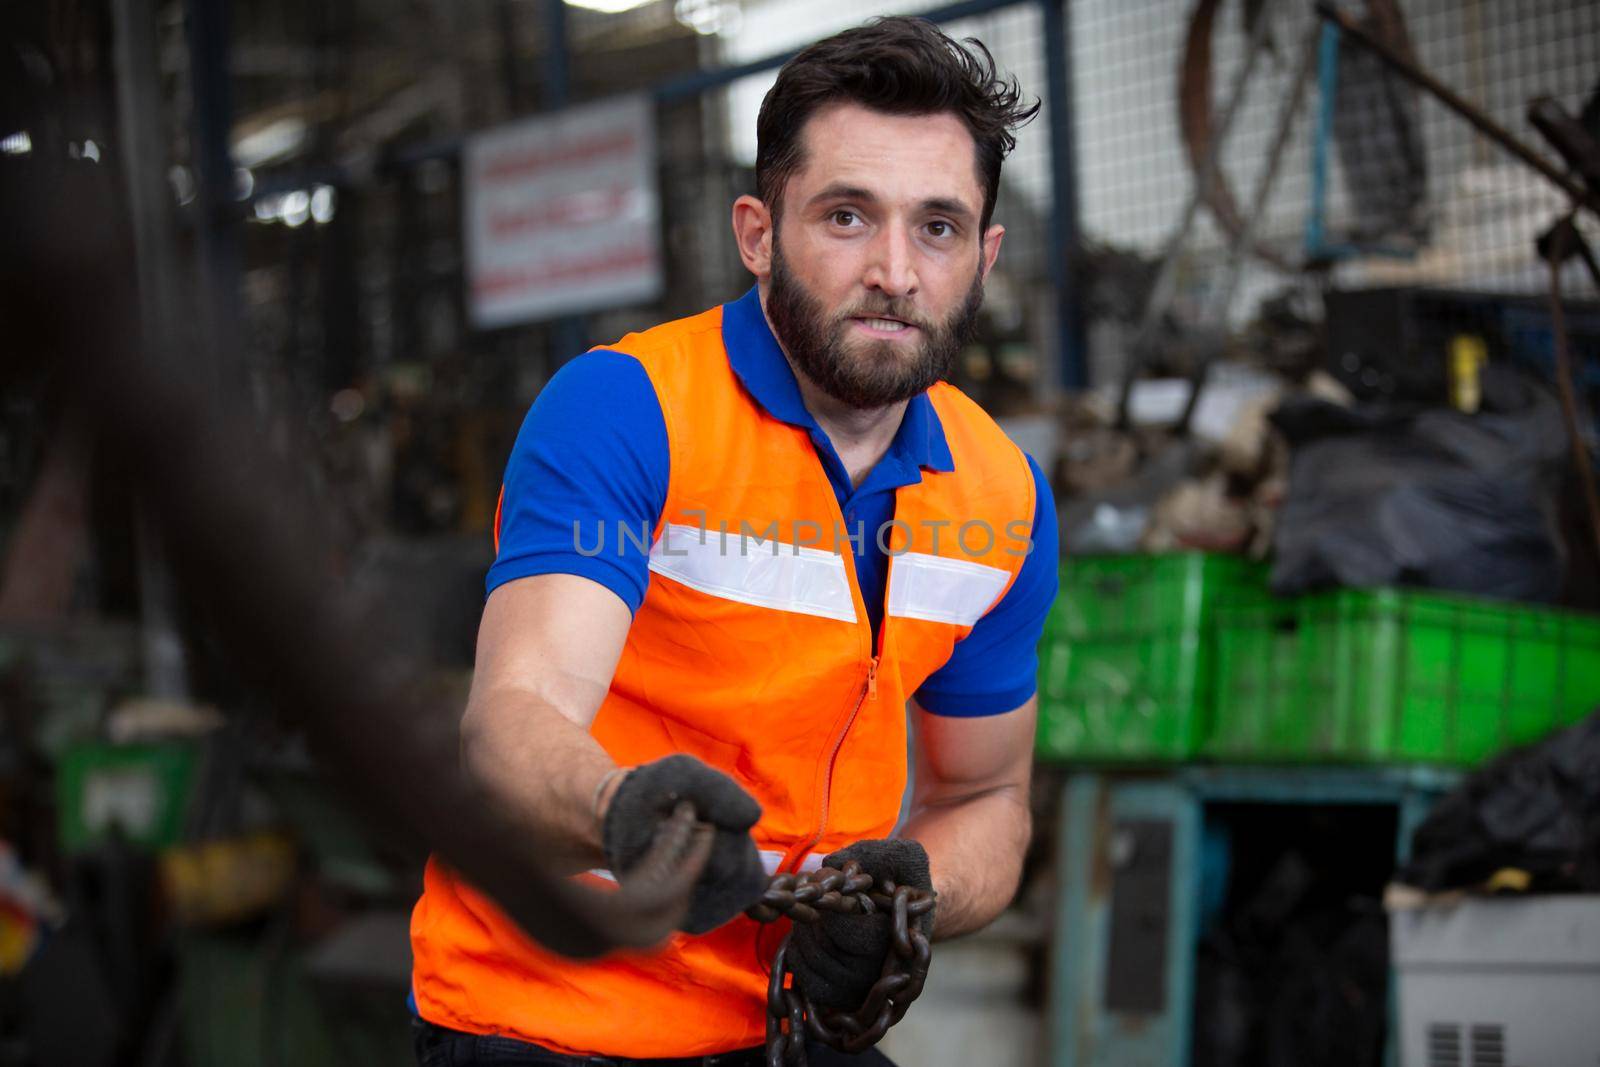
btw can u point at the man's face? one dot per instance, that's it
(877, 259)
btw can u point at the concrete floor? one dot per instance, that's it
(972, 1011)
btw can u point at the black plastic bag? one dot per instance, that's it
(1430, 497)
(1535, 809)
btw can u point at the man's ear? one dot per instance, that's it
(752, 229)
(991, 247)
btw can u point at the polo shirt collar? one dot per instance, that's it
(761, 367)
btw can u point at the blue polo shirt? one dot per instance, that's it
(593, 452)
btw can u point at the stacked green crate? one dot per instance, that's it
(1125, 664)
(1389, 675)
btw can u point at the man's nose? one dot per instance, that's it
(891, 268)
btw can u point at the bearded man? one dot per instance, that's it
(732, 551)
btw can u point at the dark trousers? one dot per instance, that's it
(438, 1047)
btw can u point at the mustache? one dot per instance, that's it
(889, 308)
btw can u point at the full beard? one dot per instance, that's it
(865, 374)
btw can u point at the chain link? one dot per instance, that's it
(804, 898)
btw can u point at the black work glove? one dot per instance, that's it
(733, 878)
(836, 960)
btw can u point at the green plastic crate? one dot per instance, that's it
(1125, 662)
(138, 791)
(1397, 676)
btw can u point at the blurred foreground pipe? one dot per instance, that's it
(249, 551)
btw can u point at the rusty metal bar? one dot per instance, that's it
(1564, 237)
(1457, 103)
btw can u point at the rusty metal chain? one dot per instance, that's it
(804, 898)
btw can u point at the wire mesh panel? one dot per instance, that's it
(1485, 206)
(1413, 194)
(396, 239)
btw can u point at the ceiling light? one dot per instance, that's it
(275, 140)
(296, 208)
(182, 183)
(709, 17)
(322, 204)
(610, 7)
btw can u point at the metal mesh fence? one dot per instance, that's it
(1486, 206)
(1431, 200)
(1462, 213)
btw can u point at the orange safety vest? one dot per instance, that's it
(753, 651)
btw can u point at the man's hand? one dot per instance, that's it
(733, 878)
(837, 960)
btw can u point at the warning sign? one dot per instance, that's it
(562, 214)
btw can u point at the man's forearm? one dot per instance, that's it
(543, 771)
(975, 847)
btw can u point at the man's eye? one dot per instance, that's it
(939, 229)
(843, 218)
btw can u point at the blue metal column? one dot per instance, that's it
(568, 335)
(164, 306)
(1071, 349)
(209, 26)
(1327, 90)
(556, 79)
(1070, 1014)
(506, 25)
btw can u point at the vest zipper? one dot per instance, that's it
(868, 692)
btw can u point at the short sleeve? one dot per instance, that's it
(587, 479)
(996, 667)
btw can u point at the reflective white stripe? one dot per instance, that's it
(810, 581)
(769, 861)
(940, 589)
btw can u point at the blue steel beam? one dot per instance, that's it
(1071, 349)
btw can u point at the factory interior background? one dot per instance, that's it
(1298, 310)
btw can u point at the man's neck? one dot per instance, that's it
(860, 436)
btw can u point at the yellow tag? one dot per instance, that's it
(1468, 354)
(1509, 880)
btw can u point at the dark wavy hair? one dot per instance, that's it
(901, 66)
